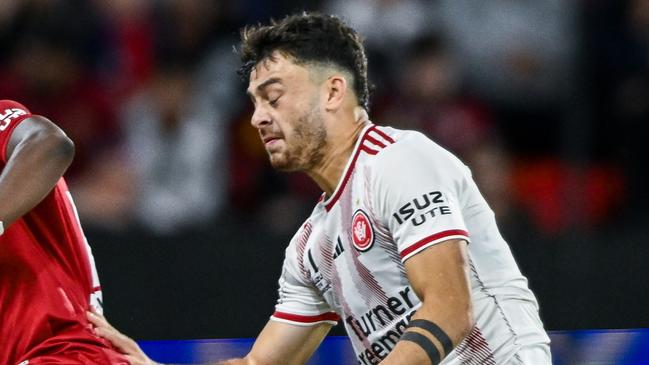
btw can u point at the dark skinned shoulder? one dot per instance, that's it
(38, 129)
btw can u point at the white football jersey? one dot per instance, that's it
(399, 194)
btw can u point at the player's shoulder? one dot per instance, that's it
(299, 240)
(10, 113)
(294, 254)
(11, 104)
(411, 147)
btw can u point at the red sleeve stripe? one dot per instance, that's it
(323, 317)
(437, 237)
(365, 139)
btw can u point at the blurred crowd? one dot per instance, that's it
(544, 99)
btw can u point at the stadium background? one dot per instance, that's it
(545, 100)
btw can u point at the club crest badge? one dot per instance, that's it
(362, 231)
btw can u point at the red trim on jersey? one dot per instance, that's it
(364, 148)
(431, 238)
(374, 141)
(328, 316)
(378, 146)
(348, 173)
(97, 288)
(334, 199)
(383, 134)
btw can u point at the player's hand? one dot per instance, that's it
(122, 343)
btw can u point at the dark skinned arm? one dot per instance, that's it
(38, 153)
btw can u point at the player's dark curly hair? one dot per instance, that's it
(308, 38)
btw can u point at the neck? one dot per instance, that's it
(340, 145)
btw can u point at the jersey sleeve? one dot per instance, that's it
(11, 114)
(417, 191)
(299, 302)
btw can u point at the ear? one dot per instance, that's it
(336, 90)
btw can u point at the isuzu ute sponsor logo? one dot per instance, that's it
(362, 231)
(421, 208)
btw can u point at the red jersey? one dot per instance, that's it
(48, 278)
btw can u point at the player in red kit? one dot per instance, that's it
(48, 278)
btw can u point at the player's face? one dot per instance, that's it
(288, 113)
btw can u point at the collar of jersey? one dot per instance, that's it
(347, 172)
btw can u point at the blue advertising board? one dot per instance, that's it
(601, 347)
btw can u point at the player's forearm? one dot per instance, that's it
(430, 337)
(32, 170)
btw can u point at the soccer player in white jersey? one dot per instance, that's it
(401, 247)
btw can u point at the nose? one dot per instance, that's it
(260, 118)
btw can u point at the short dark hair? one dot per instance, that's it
(308, 37)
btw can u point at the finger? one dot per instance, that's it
(129, 348)
(121, 342)
(135, 360)
(96, 312)
(140, 360)
(98, 320)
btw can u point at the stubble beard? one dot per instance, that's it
(308, 142)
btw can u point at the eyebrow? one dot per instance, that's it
(263, 85)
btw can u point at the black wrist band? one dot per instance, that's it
(434, 330)
(427, 345)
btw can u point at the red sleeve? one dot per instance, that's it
(11, 114)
